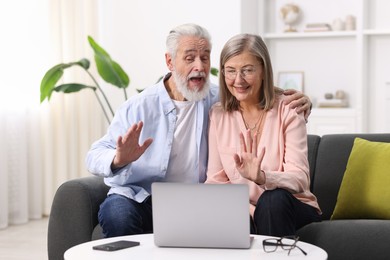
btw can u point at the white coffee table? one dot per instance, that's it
(147, 250)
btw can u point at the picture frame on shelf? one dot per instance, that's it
(291, 80)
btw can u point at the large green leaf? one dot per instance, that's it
(108, 69)
(72, 87)
(54, 74)
(50, 80)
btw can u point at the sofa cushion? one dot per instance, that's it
(332, 158)
(313, 141)
(364, 191)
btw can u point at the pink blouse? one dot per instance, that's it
(285, 160)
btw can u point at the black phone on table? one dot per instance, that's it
(117, 245)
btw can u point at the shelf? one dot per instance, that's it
(270, 36)
(335, 112)
(377, 32)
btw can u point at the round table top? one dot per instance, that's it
(148, 250)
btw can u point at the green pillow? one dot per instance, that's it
(365, 188)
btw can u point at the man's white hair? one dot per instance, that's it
(188, 29)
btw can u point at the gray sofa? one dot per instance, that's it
(73, 217)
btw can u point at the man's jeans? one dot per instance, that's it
(121, 216)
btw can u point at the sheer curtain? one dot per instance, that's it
(43, 145)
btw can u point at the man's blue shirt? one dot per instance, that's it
(155, 108)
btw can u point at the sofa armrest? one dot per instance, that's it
(73, 214)
(357, 239)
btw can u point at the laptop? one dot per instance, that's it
(201, 215)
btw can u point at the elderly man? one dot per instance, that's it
(160, 135)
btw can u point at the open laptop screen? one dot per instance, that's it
(201, 215)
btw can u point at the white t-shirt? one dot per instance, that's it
(181, 167)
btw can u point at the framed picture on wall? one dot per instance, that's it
(291, 80)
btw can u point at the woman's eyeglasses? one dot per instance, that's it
(246, 73)
(287, 243)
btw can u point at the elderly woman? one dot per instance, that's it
(255, 138)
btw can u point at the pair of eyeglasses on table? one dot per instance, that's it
(287, 243)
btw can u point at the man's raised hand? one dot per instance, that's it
(128, 148)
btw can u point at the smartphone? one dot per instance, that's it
(117, 245)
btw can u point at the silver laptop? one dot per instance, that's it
(201, 215)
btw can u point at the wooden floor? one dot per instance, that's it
(25, 241)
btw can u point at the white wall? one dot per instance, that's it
(134, 32)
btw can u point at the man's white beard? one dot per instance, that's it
(189, 94)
